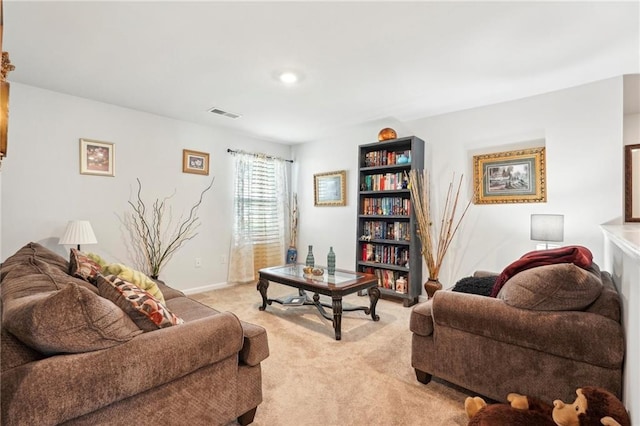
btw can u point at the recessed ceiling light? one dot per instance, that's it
(288, 77)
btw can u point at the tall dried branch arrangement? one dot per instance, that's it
(435, 244)
(293, 221)
(153, 232)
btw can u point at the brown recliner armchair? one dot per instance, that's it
(491, 348)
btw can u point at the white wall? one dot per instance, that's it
(42, 188)
(324, 227)
(631, 128)
(582, 131)
(581, 128)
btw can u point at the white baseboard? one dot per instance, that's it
(204, 288)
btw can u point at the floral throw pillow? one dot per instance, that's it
(81, 266)
(134, 277)
(146, 311)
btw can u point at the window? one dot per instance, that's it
(260, 194)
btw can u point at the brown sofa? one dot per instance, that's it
(94, 366)
(492, 348)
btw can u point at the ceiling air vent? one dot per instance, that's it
(224, 113)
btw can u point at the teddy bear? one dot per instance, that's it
(593, 406)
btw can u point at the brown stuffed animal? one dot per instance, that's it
(592, 407)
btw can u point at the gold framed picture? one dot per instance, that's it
(631, 176)
(97, 157)
(195, 162)
(4, 117)
(510, 177)
(329, 189)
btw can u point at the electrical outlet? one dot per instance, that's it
(198, 262)
(223, 259)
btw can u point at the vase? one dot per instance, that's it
(292, 255)
(331, 262)
(310, 260)
(386, 134)
(431, 286)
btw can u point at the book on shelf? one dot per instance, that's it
(384, 182)
(388, 254)
(390, 280)
(382, 230)
(386, 158)
(386, 206)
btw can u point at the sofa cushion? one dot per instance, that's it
(168, 292)
(27, 279)
(134, 277)
(70, 320)
(608, 303)
(189, 309)
(577, 255)
(34, 251)
(81, 266)
(559, 287)
(14, 352)
(36, 276)
(145, 310)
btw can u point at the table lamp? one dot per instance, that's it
(78, 232)
(547, 227)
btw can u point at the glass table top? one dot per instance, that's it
(296, 271)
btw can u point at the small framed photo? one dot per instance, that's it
(195, 162)
(97, 158)
(329, 189)
(510, 177)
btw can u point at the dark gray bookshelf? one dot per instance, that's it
(387, 241)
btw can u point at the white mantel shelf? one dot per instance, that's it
(626, 236)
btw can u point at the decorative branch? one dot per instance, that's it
(434, 252)
(152, 236)
(293, 221)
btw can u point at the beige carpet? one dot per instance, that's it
(364, 379)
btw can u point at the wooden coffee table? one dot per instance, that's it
(335, 286)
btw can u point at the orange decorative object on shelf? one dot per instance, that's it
(386, 134)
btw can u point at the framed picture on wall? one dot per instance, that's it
(510, 177)
(329, 189)
(632, 183)
(4, 117)
(195, 162)
(97, 158)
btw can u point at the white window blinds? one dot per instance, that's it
(259, 219)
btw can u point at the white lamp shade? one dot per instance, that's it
(78, 232)
(547, 227)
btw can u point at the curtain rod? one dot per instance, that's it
(233, 152)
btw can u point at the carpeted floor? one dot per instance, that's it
(364, 379)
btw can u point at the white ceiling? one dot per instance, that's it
(360, 61)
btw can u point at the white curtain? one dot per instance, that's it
(260, 197)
